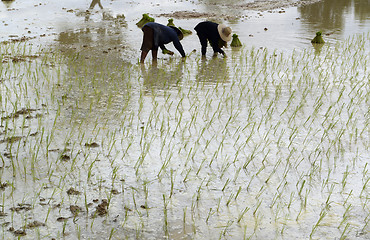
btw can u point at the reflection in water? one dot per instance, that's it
(92, 5)
(214, 70)
(7, 4)
(105, 36)
(164, 76)
(107, 15)
(93, 42)
(362, 10)
(329, 15)
(94, 2)
(94, 90)
(317, 47)
(95, 65)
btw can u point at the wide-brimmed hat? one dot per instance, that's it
(225, 32)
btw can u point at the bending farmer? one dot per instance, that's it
(157, 35)
(217, 34)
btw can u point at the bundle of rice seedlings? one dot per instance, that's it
(318, 38)
(145, 19)
(235, 42)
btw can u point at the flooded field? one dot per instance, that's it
(271, 142)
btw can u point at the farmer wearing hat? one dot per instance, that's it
(217, 34)
(157, 35)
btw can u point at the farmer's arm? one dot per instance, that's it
(215, 46)
(167, 35)
(165, 50)
(178, 46)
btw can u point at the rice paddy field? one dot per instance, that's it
(263, 144)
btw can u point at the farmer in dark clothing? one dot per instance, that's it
(217, 34)
(157, 35)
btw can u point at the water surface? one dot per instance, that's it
(271, 142)
(268, 24)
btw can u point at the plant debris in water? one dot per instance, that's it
(4, 185)
(62, 219)
(34, 224)
(102, 208)
(23, 111)
(65, 157)
(92, 145)
(72, 191)
(75, 210)
(19, 232)
(21, 207)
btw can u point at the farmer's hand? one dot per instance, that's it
(165, 51)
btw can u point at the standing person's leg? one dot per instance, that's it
(154, 53)
(203, 42)
(143, 56)
(217, 45)
(148, 41)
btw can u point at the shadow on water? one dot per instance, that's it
(213, 70)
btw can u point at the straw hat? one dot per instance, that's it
(225, 32)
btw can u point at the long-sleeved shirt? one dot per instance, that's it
(208, 31)
(164, 35)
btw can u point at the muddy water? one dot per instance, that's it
(260, 145)
(272, 24)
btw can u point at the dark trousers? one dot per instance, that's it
(148, 44)
(203, 41)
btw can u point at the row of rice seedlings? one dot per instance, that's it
(280, 127)
(31, 147)
(223, 150)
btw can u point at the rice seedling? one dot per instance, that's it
(265, 135)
